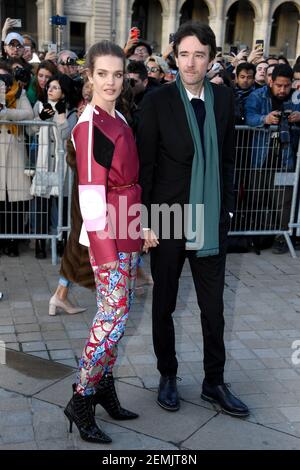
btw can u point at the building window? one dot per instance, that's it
(77, 37)
(15, 9)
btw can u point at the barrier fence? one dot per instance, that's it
(35, 184)
(32, 181)
(266, 182)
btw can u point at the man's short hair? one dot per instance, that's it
(246, 66)
(282, 70)
(203, 33)
(138, 67)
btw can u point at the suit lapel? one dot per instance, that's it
(178, 113)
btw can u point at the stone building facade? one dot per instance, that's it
(234, 22)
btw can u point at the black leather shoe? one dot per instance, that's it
(40, 249)
(12, 248)
(167, 393)
(221, 395)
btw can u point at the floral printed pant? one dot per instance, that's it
(114, 293)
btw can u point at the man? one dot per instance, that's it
(274, 152)
(269, 72)
(183, 125)
(260, 76)
(67, 63)
(14, 45)
(244, 85)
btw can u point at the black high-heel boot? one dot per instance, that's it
(40, 249)
(106, 396)
(79, 410)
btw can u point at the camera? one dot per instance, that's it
(22, 75)
(284, 127)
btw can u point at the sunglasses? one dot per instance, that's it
(153, 69)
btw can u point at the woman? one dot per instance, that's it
(14, 184)
(107, 164)
(44, 189)
(75, 264)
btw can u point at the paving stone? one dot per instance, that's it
(28, 337)
(33, 346)
(222, 433)
(61, 354)
(27, 328)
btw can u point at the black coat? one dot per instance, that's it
(166, 147)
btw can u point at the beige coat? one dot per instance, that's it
(13, 154)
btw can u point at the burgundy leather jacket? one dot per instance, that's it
(108, 170)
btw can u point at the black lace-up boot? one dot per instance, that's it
(79, 410)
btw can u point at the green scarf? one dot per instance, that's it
(205, 199)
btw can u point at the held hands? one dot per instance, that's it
(150, 240)
(112, 266)
(47, 112)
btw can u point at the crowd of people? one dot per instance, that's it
(151, 129)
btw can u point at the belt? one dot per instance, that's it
(123, 187)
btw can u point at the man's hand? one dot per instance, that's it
(112, 266)
(9, 23)
(273, 118)
(130, 43)
(255, 56)
(51, 56)
(150, 240)
(294, 117)
(168, 51)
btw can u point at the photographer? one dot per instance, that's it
(274, 152)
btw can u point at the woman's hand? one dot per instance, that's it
(112, 266)
(150, 240)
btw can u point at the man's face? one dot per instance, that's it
(139, 84)
(296, 80)
(67, 69)
(260, 76)
(141, 52)
(245, 79)
(14, 49)
(27, 49)
(269, 75)
(281, 87)
(193, 61)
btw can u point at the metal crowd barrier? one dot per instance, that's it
(266, 188)
(266, 183)
(31, 196)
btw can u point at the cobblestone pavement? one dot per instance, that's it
(262, 313)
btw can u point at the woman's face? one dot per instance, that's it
(107, 79)
(87, 91)
(43, 77)
(54, 91)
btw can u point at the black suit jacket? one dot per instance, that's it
(166, 147)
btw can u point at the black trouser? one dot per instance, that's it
(208, 275)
